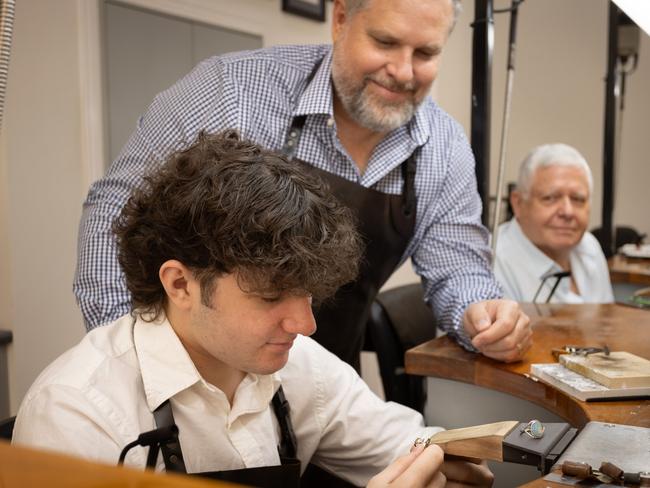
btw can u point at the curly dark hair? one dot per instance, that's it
(225, 204)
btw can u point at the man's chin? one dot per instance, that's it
(567, 240)
(270, 365)
(383, 108)
(564, 246)
(383, 120)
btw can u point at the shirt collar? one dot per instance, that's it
(318, 98)
(167, 369)
(165, 365)
(420, 126)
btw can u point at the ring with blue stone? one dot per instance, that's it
(534, 429)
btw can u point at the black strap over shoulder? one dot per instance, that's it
(288, 444)
(172, 453)
(297, 123)
(408, 174)
(408, 167)
(291, 141)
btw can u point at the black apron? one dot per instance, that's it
(386, 223)
(285, 475)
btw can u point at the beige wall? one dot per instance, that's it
(558, 96)
(42, 191)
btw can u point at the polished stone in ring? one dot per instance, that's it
(534, 428)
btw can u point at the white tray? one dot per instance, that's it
(634, 251)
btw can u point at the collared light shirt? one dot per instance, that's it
(520, 266)
(99, 396)
(258, 93)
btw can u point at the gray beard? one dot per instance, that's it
(365, 113)
(370, 113)
(360, 106)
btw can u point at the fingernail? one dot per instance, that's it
(483, 324)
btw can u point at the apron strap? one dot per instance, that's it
(408, 167)
(172, 453)
(298, 122)
(288, 444)
(408, 193)
(291, 141)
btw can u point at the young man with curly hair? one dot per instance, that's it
(223, 249)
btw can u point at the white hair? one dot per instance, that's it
(551, 155)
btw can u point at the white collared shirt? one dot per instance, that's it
(520, 265)
(99, 396)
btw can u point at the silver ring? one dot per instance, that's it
(534, 429)
(420, 440)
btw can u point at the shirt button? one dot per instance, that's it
(330, 122)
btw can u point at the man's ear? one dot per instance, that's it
(178, 282)
(338, 18)
(516, 199)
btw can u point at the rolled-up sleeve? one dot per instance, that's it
(452, 255)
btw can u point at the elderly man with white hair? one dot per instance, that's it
(548, 235)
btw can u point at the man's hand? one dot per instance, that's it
(418, 469)
(466, 472)
(499, 329)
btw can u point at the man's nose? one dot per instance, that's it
(298, 317)
(566, 206)
(401, 66)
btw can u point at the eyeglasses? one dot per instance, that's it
(558, 275)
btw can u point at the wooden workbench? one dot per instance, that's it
(555, 325)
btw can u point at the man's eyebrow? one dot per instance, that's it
(557, 191)
(380, 34)
(383, 36)
(432, 49)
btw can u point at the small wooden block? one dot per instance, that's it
(480, 441)
(617, 370)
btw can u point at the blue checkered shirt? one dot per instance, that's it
(259, 92)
